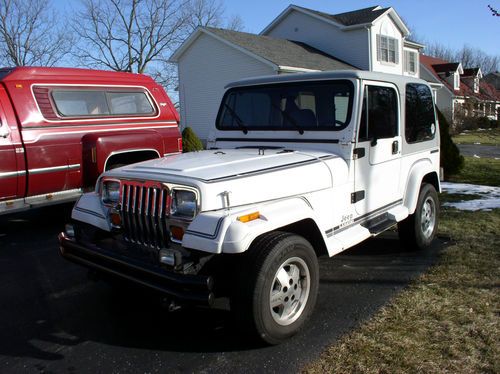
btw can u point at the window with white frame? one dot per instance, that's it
(456, 81)
(410, 62)
(387, 49)
(476, 84)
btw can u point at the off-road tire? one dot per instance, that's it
(273, 255)
(418, 230)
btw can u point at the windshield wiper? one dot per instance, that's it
(237, 118)
(289, 118)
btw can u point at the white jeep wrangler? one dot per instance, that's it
(299, 166)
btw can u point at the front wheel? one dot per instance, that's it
(279, 292)
(419, 229)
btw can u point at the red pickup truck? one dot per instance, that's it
(61, 127)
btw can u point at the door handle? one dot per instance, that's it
(395, 147)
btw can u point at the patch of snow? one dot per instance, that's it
(490, 196)
(476, 143)
(480, 129)
(476, 156)
(462, 133)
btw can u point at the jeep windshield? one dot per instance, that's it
(324, 106)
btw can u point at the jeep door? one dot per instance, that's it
(377, 156)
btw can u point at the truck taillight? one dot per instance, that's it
(179, 144)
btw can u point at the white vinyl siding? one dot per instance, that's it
(204, 69)
(350, 46)
(387, 49)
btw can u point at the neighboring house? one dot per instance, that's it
(298, 40)
(464, 93)
(493, 79)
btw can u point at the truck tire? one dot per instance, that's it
(278, 292)
(419, 229)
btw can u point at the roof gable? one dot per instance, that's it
(347, 20)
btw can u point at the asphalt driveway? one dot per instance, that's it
(53, 319)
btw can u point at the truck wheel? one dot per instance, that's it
(280, 288)
(419, 229)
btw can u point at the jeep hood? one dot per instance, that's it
(250, 175)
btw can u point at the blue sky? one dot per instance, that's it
(450, 22)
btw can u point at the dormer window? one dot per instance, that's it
(476, 84)
(387, 49)
(456, 81)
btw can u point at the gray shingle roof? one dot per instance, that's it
(282, 52)
(355, 17)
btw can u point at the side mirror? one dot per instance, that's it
(373, 143)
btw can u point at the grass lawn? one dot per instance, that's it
(446, 321)
(485, 171)
(486, 137)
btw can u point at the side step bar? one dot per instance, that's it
(379, 224)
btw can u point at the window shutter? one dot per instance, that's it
(396, 47)
(379, 53)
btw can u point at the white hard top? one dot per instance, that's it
(327, 75)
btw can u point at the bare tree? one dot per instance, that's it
(494, 12)
(140, 35)
(127, 35)
(235, 22)
(209, 13)
(469, 57)
(28, 35)
(203, 13)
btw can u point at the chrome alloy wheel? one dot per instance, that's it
(428, 217)
(290, 291)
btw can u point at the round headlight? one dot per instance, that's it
(183, 204)
(110, 192)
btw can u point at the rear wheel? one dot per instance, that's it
(419, 229)
(279, 291)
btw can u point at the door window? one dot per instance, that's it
(379, 117)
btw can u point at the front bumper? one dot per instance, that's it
(197, 289)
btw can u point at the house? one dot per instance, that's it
(493, 79)
(464, 93)
(297, 40)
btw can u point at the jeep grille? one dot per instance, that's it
(145, 209)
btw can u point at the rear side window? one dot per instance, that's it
(98, 103)
(420, 122)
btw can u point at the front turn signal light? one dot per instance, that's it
(116, 219)
(249, 217)
(177, 232)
